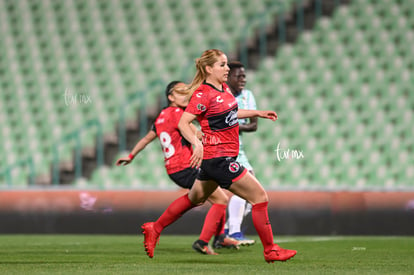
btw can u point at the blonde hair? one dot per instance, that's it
(207, 58)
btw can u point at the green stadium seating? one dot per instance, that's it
(106, 50)
(342, 91)
(357, 102)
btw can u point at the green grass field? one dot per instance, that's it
(108, 254)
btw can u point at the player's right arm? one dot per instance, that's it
(198, 133)
(188, 133)
(141, 144)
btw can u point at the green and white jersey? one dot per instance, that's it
(245, 100)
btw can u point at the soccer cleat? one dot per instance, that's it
(225, 242)
(278, 254)
(239, 236)
(151, 238)
(203, 248)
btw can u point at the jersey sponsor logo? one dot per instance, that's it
(232, 104)
(219, 99)
(199, 94)
(223, 121)
(234, 167)
(231, 118)
(201, 107)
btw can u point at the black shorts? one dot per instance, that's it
(223, 170)
(185, 178)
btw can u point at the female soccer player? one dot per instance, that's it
(237, 207)
(177, 153)
(216, 110)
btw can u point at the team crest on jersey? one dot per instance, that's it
(201, 107)
(234, 167)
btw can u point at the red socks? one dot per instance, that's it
(261, 222)
(214, 222)
(220, 228)
(215, 218)
(174, 211)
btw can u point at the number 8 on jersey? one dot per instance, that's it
(167, 147)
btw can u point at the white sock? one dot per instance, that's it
(236, 210)
(248, 209)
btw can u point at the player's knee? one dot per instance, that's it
(218, 199)
(224, 200)
(197, 200)
(265, 197)
(261, 197)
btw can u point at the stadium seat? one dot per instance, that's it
(345, 85)
(351, 102)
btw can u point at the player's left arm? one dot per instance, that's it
(243, 113)
(141, 144)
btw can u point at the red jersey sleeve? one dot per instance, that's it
(199, 103)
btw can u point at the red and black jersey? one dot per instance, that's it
(177, 151)
(217, 114)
